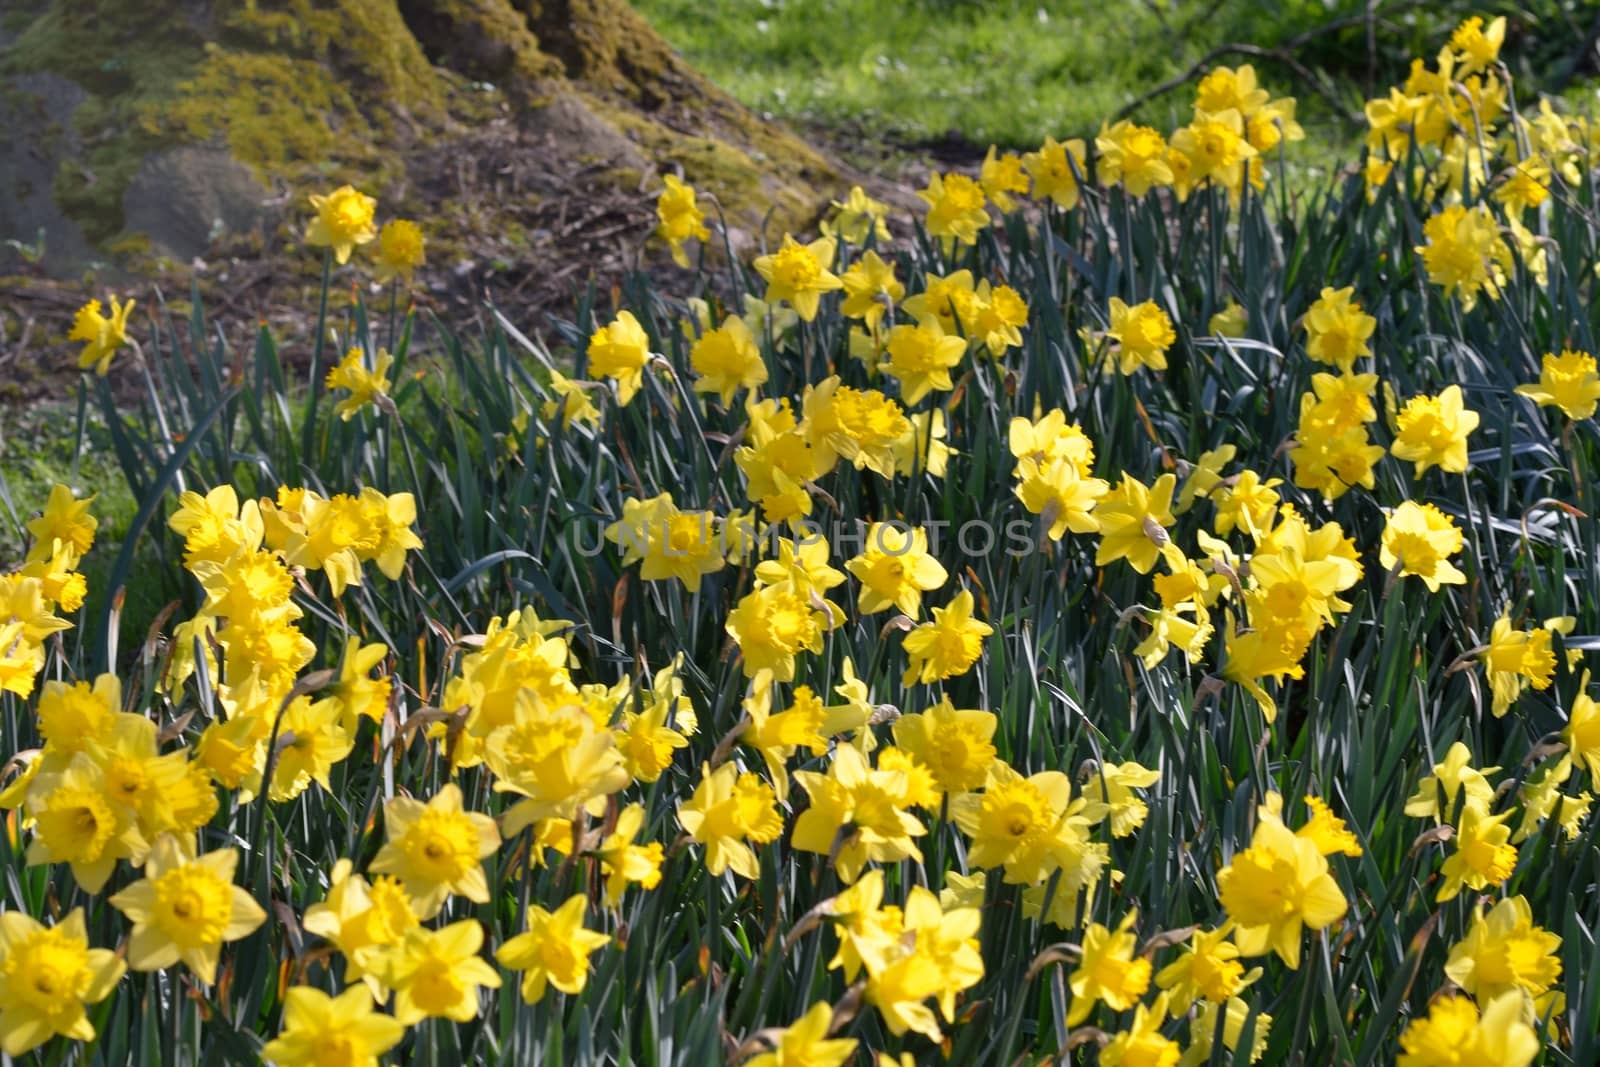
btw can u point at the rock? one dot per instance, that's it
(183, 198)
(36, 110)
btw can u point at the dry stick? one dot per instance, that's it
(1281, 53)
(1317, 83)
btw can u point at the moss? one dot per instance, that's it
(272, 109)
(328, 90)
(483, 40)
(130, 246)
(773, 171)
(365, 42)
(289, 86)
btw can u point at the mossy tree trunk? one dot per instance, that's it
(132, 115)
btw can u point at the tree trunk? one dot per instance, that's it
(158, 128)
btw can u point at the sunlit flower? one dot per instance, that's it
(400, 251)
(343, 221)
(102, 335)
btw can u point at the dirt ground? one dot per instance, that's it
(566, 230)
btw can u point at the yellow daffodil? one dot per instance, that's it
(102, 335)
(436, 849)
(800, 274)
(184, 909)
(553, 951)
(343, 221)
(319, 1030)
(400, 251)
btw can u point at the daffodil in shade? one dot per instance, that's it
(48, 975)
(364, 385)
(1543, 800)
(437, 973)
(856, 217)
(619, 350)
(1002, 174)
(366, 922)
(646, 742)
(343, 221)
(1232, 321)
(622, 862)
(436, 849)
(1276, 889)
(679, 218)
(319, 1030)
(310, 741)
(955, 208)
(800, 274)
(805, 1043)
(1113, 784)
(1143, 1044)
(185, 909)
(778, 735)
(1449, 778)
(1582, 732)
(728, 811)
(949, 645)
(102, 334)
(921, 357)
(1418, 539)
(1132, 520)
(870, 289)
(727, 360)
(1208, 969)
(554, 950)
(1139, 335)
(1234, 1014)
(1454, 1034)
(1056, 169)
(1431, 431)
(357, 694)
(1569, 382)
(570, 400)
(400, 251)
(895, 569)
(1108, 970)
(1337, 330)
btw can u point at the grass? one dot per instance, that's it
(1011, 72)
(37, 452)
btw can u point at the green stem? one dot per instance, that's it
(308, 431)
